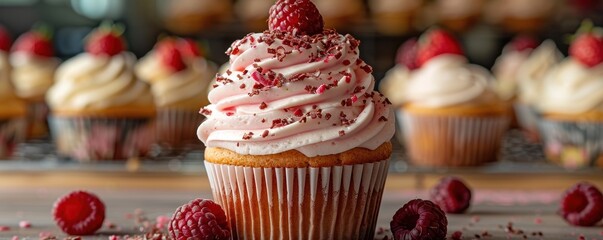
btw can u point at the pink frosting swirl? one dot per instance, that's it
(311, 94)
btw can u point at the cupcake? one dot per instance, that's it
(520, 15)
(506, 67)
(253, 13)
(340, 13)
(188, 17)
(297, 142)
(179, 77)
(451, 116)
(571, 105)
(34, 64)
(395, 17)
(530, 77)
(101, 111)
(12, 109)
(458, 15)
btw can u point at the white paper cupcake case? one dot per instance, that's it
(339, 202)
(453, 140)
(573, 144)
(100, 138)
(176, 128)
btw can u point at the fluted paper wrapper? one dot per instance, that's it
(573, 144)
(338, 202)
(176, 128)
(453, 141)
(89, 139)
(12, 132)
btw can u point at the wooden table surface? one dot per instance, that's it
(531, 211)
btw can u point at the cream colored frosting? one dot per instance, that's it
(447, 80)
(171, 88)
(532, 72)
(32, 75)
(321, 102)
(388, 6)
(505, 72)
(394, 83)
(89, 82)
(572, 88)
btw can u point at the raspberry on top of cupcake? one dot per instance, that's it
(574, 88)
(445, 79)
(11, 105)
(34, 64)
(178, 73)
(101, 81)
(296, 87)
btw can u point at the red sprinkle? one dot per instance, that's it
(321, 89)
(354, 98)
(24, 224)
(298, 113)
(4, 228)
(263, 105)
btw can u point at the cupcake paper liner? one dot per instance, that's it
(176, 129)
(573, 144)
(453, 140)
(338, 202)
(95, 138)
(12, 132)
(528, 118)
(37, 120)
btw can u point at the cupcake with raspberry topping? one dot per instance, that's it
(179, 77)
(450, 105)
(34, 64)
(297, 142)
(571, 106)
(101, 111)
(13, 109)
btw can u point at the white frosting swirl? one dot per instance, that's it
(32, 75)
(394, 83)
(177, 89)
(572, 88)
(323, 103)
(505, 71)
(447, 80)
(532, 72)
(98, 82)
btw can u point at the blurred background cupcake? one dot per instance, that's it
(34, 65)
(101, 111)
(12, 109)
(339, 14)
(520, 16)
(572, 106)
(188, 17)
(451, 117)
(395, 17)
(179, 76)
(253, 13)
(456, 15)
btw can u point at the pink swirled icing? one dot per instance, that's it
(310, 94)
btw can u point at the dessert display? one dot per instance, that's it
(295, 125)
(338, 14)
(179, 77)
(12, 109)
(571, 105)
(101, 110)
(33, 67)
(395, 17)
(450, 105)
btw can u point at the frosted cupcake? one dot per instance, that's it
(179, 78)
(12, 109)
(451, 116)
(521, 16)
(297, 140)
(395, 17)
(572, 107)
(34, 64)
(101, 111)
(531, 76)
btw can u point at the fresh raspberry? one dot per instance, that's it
(5, 40)
(189, 48)
(437, 42)
(588, 49)
(79, 213)
(295, 16)
(105, 42)
(524, 42)
(169, 55)
(452, 195)
(582, 205)
(35, 43)
(419, 220)
(199, 219)
(407, 54)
